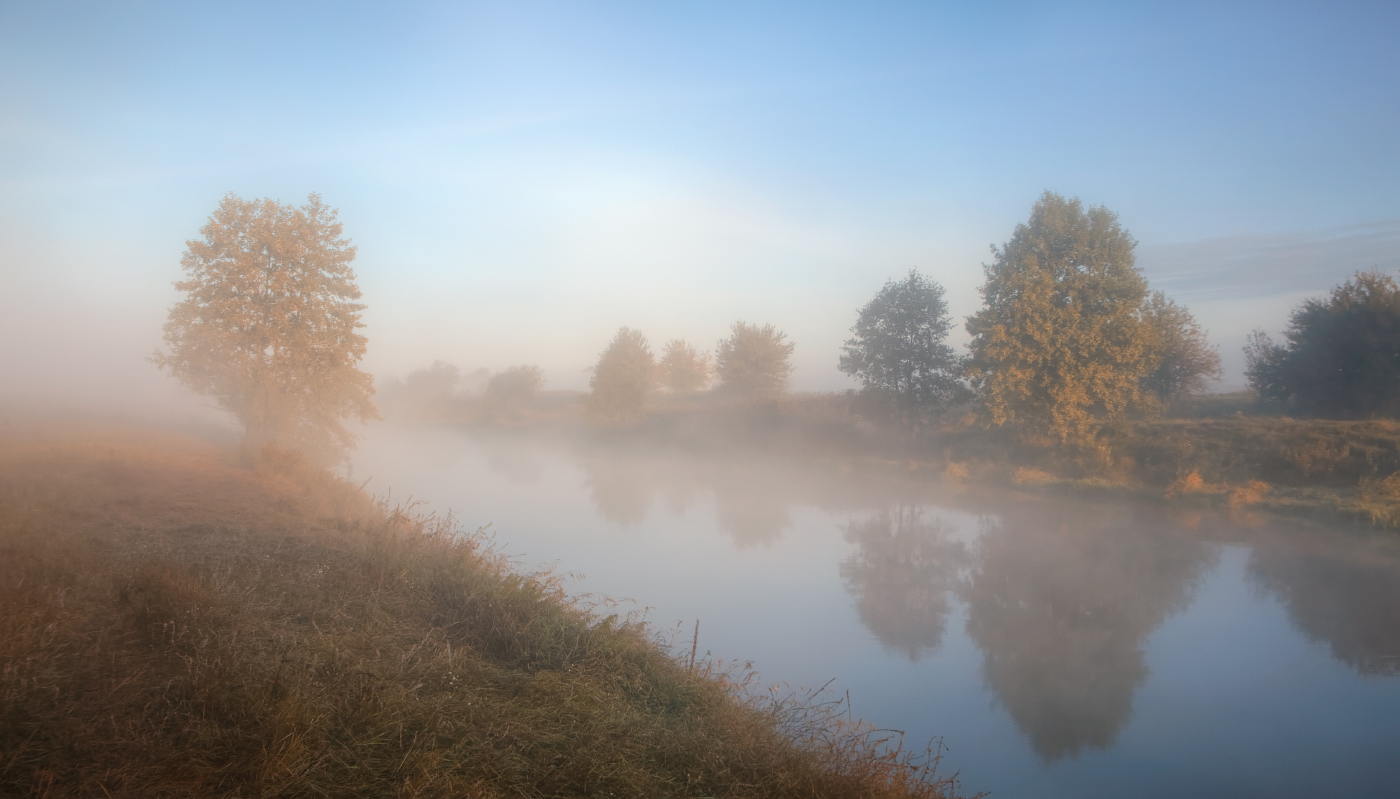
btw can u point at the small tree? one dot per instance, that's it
(684, 369)
(514, 386)
(900, 347)
(268, 324)
(1060, 344)
(624, 377)
(754, 361)
(1186, 361)
(1342, 358)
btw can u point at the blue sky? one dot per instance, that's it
(523, 178)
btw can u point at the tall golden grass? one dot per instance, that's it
(172, 624)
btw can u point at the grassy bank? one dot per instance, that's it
(1213, 450)
(1346, 469)
(175, 624)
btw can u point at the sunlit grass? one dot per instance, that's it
(172, 624)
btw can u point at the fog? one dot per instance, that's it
(521, 180)
(89, 315)
(1058, 645)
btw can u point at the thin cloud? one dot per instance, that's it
(1269, 266)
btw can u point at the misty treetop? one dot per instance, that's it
(684, 369)
(268, 324)
(623, 378)
(900, 346)
(1341, 358)
(516, 385)
(754, 361)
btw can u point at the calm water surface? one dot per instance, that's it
(1058, 648)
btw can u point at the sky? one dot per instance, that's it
(523, 178)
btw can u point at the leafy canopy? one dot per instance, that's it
(754, 361)
(623, 378)
(1342, 356)
(684, 369)
(1186, 361)
(900, 345)
(1060, 344)
(268, 324)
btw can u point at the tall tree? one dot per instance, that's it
(900, 346)
(1186, 362)
(268, 324)
(1342, 356)
(1060, 344)
(684, 369)
(754, 361)
(624, 376)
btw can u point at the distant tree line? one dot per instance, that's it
(1068, 338)
(753, 362)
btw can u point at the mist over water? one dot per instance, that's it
(1057, 647)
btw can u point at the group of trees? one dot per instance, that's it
(752, 361)
(1068, 337)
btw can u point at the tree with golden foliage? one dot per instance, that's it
(1186, 361)
(623, 378)
(268, 325)
(754, 360)
(1060, 344)
(684, 369)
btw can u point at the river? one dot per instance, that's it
(1057, 647)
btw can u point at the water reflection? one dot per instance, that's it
(621, 488)
(517, 464)
(751, 496)
(902, 574)
(1060, 603)
(1060, 599)
(1340, 589)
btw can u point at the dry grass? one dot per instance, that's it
(1380, 499)
(1027, 475)
(174, 625)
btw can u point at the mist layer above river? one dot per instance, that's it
(1057, 647)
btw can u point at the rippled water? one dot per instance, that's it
(1059, 648)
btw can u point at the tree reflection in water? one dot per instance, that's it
(1340, 588)
(621, 488)
(1060, 603)
(751, 497)
(902, 574)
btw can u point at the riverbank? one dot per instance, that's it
(1210, 451)
(176, 623)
